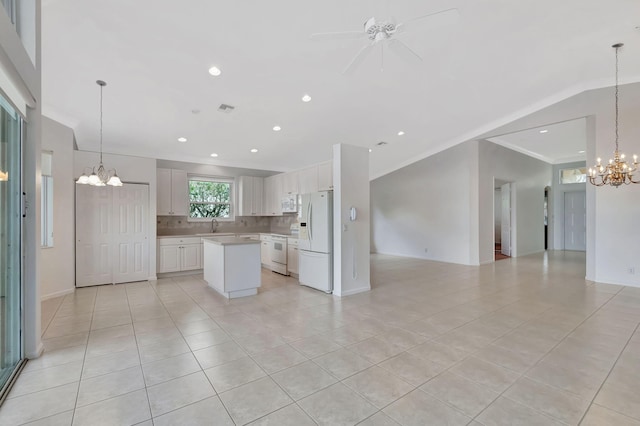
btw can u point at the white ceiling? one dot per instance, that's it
(557, 143)
(500, 61)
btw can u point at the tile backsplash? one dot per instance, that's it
(179, 225)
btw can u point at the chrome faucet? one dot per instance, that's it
(214, 225)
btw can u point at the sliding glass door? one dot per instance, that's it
(10, 241)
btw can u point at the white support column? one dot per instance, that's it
(351, 235)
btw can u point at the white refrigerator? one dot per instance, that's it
(315, 246)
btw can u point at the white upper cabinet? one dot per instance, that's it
(325, 176)
(272, 195)
(308, 180)
(290, 183)
(250, 196)
(173, 193)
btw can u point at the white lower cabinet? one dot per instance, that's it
(292, 255)
(179, 254)
(265, 250)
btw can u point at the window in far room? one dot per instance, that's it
(210, 198)
(576, 175)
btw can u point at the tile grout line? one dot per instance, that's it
(190, 351)
(523, 374)
(75, 405)
(609, 374)
(146, 392)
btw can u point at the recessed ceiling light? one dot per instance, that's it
(400, 133)
(254, 150)
(182, 139)
(580, 152)
(214, 154)
(544, 131)
(277, 128)
(306, 98)
(370, 150)
(215, 71)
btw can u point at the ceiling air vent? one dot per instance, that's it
(226, 108)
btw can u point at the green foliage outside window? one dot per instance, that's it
(209, 199)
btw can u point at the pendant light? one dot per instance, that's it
(617, 172)
(99, 175)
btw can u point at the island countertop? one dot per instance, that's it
(230, 240)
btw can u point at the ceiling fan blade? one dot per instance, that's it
(358, 59)
(436, 19)
(342, 35)
(404, 51)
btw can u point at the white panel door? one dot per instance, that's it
(130, 233)
(505, 225)
(575, 221)
(93, 235)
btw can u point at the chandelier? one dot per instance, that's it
(99, 175)
(617, 172)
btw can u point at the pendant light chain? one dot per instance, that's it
(101, 87)
(99, 175)
(617, 48)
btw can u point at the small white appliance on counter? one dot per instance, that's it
(290, 204)
(316, 241)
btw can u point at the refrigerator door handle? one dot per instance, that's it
(310, 223)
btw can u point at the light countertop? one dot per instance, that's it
(226, 234)
(229, 240)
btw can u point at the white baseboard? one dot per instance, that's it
(37, 353)
(615, 281)
(353, 291)
(57, 294)
(153, 278)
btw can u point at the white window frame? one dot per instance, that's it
(573, 168)
(232, 198)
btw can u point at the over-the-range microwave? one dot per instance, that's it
(290, 203)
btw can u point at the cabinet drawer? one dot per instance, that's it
(293, 242)
(178, 241)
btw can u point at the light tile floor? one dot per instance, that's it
(522, 341)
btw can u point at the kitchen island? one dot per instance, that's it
(232, 265)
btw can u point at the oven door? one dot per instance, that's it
(279, 251)
(279, 255)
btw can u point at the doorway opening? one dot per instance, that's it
(546, 217)
(502, 219)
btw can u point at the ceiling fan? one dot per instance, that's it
(385, 32)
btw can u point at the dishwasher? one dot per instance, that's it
(279, 254)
